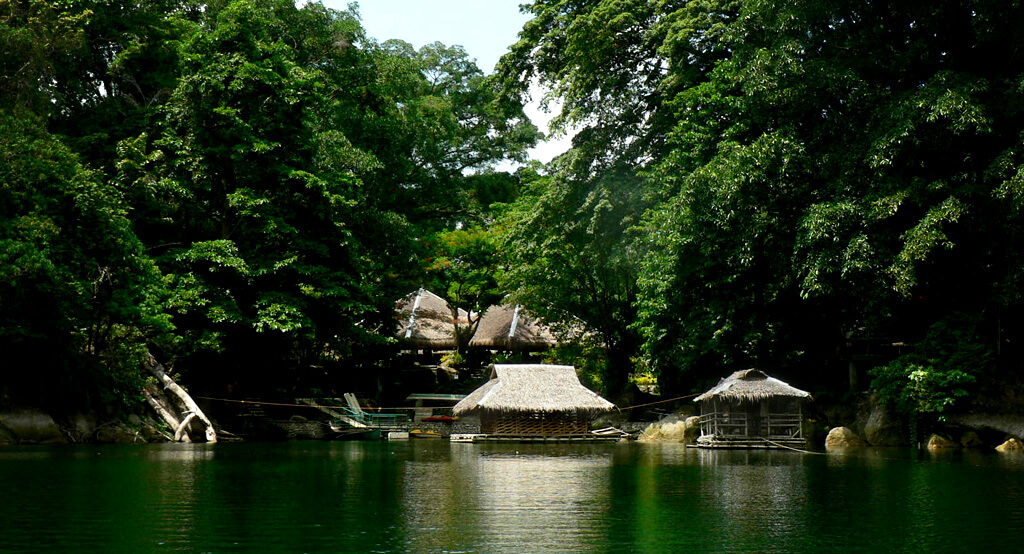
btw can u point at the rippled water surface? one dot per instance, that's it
(433, 496)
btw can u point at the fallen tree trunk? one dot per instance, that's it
(191, 408)
(152, 395)
(180, 432)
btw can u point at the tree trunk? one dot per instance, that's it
(180, 431)
(153, 398)
(191, 408)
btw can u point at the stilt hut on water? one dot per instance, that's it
(533, 400)
(749, 409)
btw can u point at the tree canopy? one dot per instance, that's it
(818, 172)
(251, 184)
(237, 185)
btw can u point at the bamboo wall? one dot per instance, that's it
(534, 423)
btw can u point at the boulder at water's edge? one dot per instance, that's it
(31, 426)
(1011, 445)
(938, 442)
(673, 429)
(843, 437)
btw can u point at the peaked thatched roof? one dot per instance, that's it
(511, 328)
(425, 321)
(533, 388)
(751, 385)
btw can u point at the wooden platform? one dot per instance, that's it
(478, 437)
(750, 443)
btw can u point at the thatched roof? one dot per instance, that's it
(511, 328)
(751, 385)
(425, 321)
(533, 388)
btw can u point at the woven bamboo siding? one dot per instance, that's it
(535, 423)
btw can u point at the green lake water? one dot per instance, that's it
(434, 496)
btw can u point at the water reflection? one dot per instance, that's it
(511, 500)
(433, 496)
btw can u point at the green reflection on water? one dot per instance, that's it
(433, 496)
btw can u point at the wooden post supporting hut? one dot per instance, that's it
(749, 409)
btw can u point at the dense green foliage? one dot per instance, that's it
(245, 187)
(463, 271)
(242, 187)
(569, 258)
(818, 173)
(78, 297)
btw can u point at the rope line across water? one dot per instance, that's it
(264, 403)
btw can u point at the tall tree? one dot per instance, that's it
(568, 256)
(296, 163)
(262, 185)
(80, 303)
(441, 126)
(817, 168)
(463, 269)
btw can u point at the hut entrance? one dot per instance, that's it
(754, 410)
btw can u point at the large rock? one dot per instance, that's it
(843, 437)
(938, 442)
(31, 427)
(1011, 445)
(673, 428)
(883, 428)
(692, 431)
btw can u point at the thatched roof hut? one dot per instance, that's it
(751, 385)
(533, 399)
(511, 328)
(425, 321)
(750, 409)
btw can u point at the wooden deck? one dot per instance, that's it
(479, 437)
(710, 441)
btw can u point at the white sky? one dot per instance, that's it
(485, 28)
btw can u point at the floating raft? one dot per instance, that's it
(478, 437)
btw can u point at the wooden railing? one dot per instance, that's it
(737, 424)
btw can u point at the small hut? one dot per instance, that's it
(511, 328)
(533, 400)
(749, 409)
(425, 321)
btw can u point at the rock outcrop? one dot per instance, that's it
(938, 442)
(883, 428)
(673, 428)
(29, 426)
(843, 437)
(1008, 424)
(1011, 445)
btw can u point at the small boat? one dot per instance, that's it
(424, 434)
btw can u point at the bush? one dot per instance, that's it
(939, 371)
